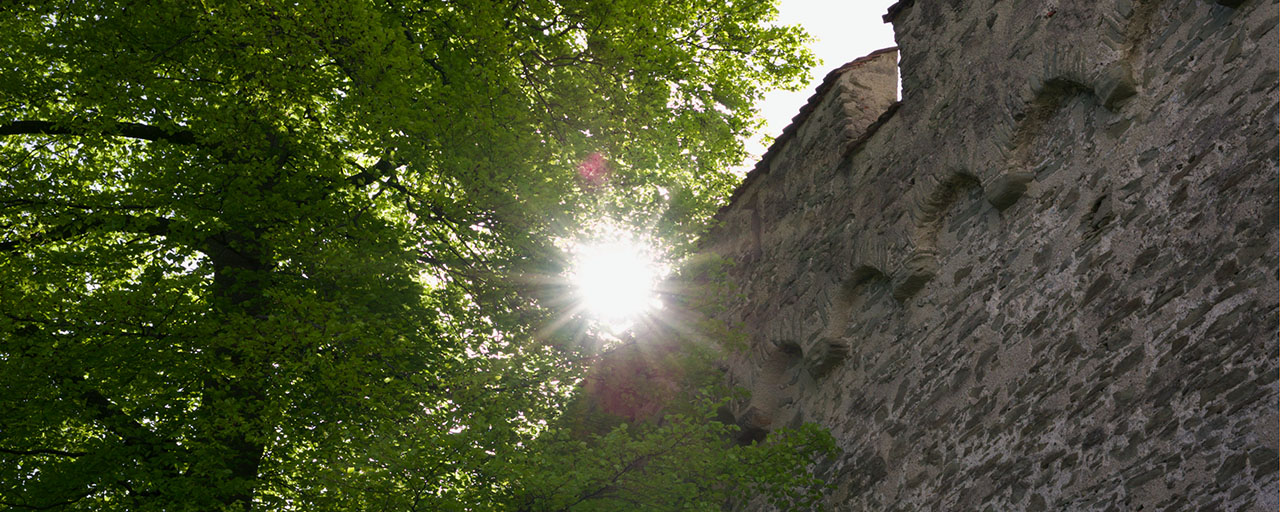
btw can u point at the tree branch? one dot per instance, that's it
(122, 129)
(43, 451)
(56, 504)
(117, 421)
(141, 224)
(639, 462)
(367, 176)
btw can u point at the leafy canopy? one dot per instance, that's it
(299, 255)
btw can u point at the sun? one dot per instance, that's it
(615, 280)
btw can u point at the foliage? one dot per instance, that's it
(299, 255)
(679, 463)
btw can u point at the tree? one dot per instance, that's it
(295, 256)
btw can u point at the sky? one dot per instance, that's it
(843, 30)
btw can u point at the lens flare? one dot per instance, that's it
(615, 280)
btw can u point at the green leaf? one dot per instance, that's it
(304, 256)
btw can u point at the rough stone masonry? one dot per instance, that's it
(1046, 279)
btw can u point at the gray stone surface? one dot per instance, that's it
(1046, 280)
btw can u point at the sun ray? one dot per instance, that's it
(615, 279)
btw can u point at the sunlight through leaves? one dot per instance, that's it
(614, 278)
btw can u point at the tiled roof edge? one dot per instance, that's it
(762, 167)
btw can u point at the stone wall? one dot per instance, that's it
(1044, 280)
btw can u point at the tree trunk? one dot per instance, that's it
(235, 400)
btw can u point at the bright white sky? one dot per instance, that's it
(843, 30)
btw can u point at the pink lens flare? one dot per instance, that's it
(594, 170)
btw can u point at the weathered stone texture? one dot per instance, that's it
(1046, 280)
